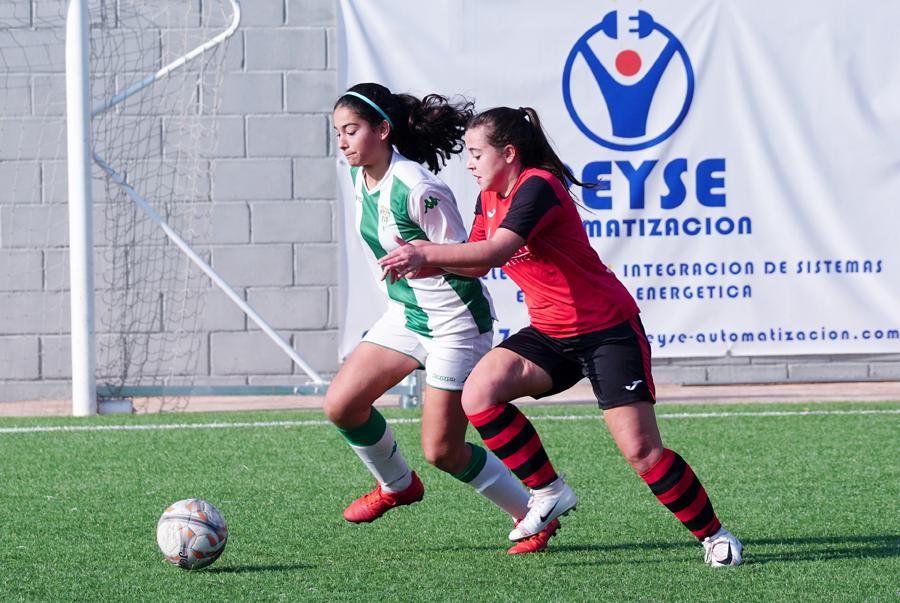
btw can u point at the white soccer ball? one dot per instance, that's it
(191, 533)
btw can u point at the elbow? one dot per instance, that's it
(499, 261)
(500, 254)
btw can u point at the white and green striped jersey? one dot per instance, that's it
(412, 203)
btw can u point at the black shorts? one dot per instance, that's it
(615, 360)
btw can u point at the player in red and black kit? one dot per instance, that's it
(584, 323)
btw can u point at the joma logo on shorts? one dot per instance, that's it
(443, 378)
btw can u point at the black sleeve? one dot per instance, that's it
(478, 205)
(532, 201)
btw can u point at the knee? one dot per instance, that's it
(468, 399)
(641, 454)
(478, 396)
(445, 457)
(341, 413)
(333, 410)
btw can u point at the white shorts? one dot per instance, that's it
(447, 364)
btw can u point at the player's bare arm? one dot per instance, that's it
(493, 252)
(431, 271)
(424, 271)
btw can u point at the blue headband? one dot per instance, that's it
(371, 104)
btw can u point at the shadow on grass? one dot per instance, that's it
(767, 550)
(756, 551)
(246, 569)
(824, 548)
(556, 547)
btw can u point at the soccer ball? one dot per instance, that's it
(191, 533)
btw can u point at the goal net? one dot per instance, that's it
(156, 68)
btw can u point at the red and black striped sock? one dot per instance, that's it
(512, 438)
(673, 482)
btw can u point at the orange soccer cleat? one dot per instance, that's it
(536, 543)
(376, 503)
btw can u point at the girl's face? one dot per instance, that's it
(360, 143)
(494, 169)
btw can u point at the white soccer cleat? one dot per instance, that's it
(545, 505)
(722, 549)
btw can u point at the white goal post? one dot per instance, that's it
(81, 264)
(113, 215)
(81, 154)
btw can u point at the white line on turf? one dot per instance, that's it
(319, 422)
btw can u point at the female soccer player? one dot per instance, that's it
(440, 322)
(584, 323)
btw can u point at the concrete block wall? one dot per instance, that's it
(274, 232)
(271, 200)
(275, 219)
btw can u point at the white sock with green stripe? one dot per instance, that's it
(373, 442)
(494, 481)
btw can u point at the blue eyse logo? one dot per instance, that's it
(628, 117)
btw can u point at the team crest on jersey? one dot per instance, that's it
(431, 203)
(384, 215)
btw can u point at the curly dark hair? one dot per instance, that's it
(427, 130)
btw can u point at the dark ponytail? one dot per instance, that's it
(522, 129)
(427, 131)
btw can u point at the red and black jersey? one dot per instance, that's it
(569, 291)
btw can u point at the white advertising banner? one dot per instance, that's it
(747, 154)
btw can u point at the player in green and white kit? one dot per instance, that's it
(412, 204)
(437, 321)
